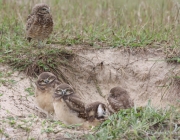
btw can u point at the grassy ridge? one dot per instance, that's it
(100, 22)
(116, 22)
(145, 123)
(95, 23)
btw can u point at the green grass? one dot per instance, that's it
(4, 79)
(29, 123)
(145, 123)
(95, 23)
(30, 91)
(98, 22)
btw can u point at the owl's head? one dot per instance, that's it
(45, 79)
(63, 90)
(102, 111)
(41, 9)
(116, 92)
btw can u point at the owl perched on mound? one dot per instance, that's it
(39, 23)
(119, 98)
(45, 87)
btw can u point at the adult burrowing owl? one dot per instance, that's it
(45, 87)
(68, 106)
(96, 110)
(119, 99)
(39, 23)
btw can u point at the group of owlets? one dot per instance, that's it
(60, 99)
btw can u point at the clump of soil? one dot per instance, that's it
(144, 73)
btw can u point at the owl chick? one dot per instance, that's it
(96, 110)
(119, 98)
(45, 87)
(39, 23)
(96, 113)
(68, 106)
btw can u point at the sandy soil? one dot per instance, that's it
(143, 73)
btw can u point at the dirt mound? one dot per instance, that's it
(143, 73)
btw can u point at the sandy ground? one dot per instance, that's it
(143, 73)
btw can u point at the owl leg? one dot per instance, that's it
(40, 44)
(32, 43)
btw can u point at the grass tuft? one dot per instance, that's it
(17, 53)
(140, 123)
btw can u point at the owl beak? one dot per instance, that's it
(46, 81)
(48, 10)
(63, 92)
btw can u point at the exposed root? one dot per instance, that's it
(98, 88)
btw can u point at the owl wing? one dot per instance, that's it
(30, 21)
(92, 106)
(91, 111)
(74, 103)
(49, 20)
(127, 102)
(115, 104)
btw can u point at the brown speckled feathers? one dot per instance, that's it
(39, 23)
(75, 104)
(46, 80)
(71, 99)
(119, 99)
(92, 110)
